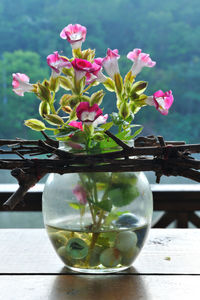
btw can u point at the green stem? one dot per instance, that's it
(95, 191)
(100, 218)
(87, 88)
(92, 213)
(52, 104)
(47, 128)
(58, 109)
(90, 205)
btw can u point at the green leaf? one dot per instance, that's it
(137, 132)
(76, 205)
(121, 196)
(122, 178)
(64, 132)
(106, 126)
(105, 205)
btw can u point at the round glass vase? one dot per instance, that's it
(97, 221)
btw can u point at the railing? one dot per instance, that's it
(178, 202)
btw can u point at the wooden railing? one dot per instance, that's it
(178, 202)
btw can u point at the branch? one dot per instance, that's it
(155, 154)
(26, 181)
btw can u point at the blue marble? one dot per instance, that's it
(127, 220)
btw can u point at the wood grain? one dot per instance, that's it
(167, 251)
(109, 287)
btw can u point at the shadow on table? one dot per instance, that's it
(90, 287)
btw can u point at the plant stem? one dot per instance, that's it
(100, 218)
(90, 205)
(95, 191)
(92, 213)
(58, 109)
(52, 104)
(87, 88)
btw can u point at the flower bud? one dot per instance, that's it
(65, 83)
(67, 109)
(124, 110)
(88, 54)
(97, 97)
(54, 84)
(35, 124)
(128, 81)
(43, 92)
(68, 72)
(134, 107)
(45, 83)
(44, 109)
(73, 101)
(139, 87)
(54, 119)
(109, 84)
(84, 98)
(65, 100)
(98, 137)
(118, 83)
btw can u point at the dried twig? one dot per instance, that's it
(149, 154)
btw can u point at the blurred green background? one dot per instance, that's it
(168, 30)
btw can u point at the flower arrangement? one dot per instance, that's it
(78, 117)
(78, 121)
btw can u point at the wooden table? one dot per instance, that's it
(167, 268)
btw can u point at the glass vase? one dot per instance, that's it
(97, 222)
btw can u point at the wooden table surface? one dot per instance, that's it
(167, 268)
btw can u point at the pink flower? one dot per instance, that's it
(81, 67)
(76, 125)
(140, 60)
(110, 62)
(80, 194)
(21, 84)
(75, 34)
(96, 72)
(90, 114)
(162, 101)
(57, 62)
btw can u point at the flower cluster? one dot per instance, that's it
(78, 118)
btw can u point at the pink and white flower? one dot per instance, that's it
(140, 60)
(21, 84)
(57, 63)
(80, 194)
(81, 67)
(90, 115)
(100, 120)
(162, 101)
(75, 34)
(110, 62)
(96, 72)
